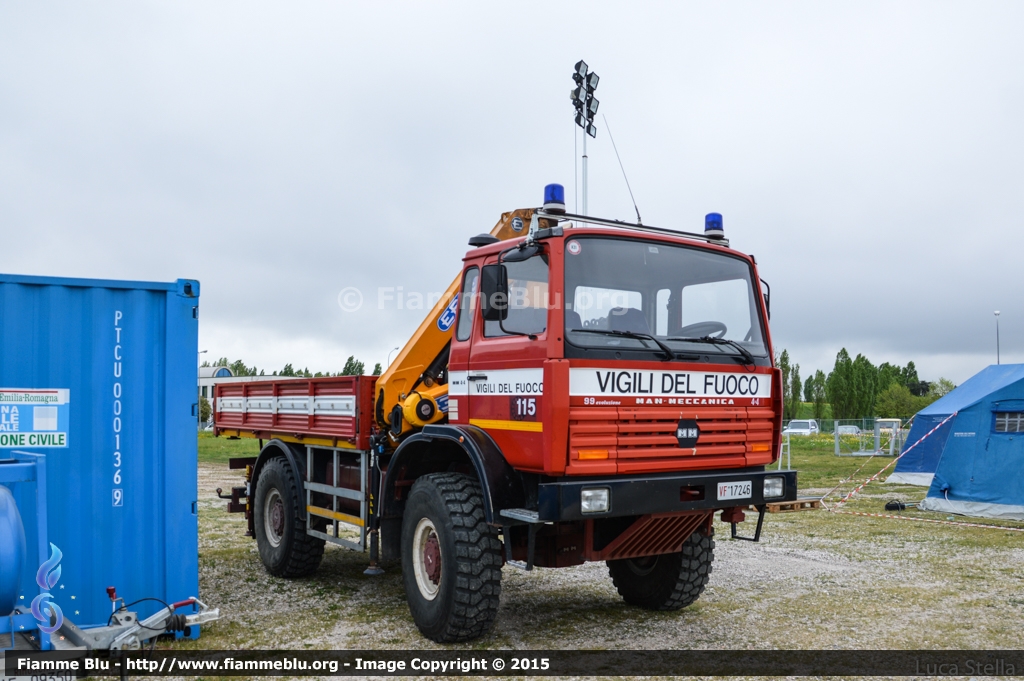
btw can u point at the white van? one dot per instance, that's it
(802, 427)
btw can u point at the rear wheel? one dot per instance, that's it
(667, 582)
(451, 558)
(285, 548)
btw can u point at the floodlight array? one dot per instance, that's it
(583, 97)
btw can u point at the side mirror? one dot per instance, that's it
(767, 298)
(494, 292)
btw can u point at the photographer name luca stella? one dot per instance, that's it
(998, 667)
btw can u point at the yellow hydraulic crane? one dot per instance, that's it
(408, 391)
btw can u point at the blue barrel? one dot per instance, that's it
(12, 551)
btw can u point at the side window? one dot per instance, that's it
(1009, 422)
(467, 304)
(527, 299)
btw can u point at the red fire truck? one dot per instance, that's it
(586, 390)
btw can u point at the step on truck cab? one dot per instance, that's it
(586, 390)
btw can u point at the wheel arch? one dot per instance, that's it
(437, 449)
(279, 449)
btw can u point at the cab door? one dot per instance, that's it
(505, 372)
(462, 340)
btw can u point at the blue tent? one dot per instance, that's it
(974, 463)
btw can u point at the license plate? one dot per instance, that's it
(734, 490)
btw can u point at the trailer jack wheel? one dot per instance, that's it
(451, 558)
(667, 582)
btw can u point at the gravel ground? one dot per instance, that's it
(816, 581)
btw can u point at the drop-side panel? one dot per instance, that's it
(336, 411)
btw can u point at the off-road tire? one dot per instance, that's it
(464, 600)
(296, 554)
(667, 582)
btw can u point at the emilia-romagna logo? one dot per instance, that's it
(48, 613)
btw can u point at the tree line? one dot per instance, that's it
(857, 389)
(352, 367)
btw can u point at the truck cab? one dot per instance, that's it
(608, 341)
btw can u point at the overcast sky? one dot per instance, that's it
(870, 155)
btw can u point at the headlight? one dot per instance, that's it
(595, 500)
(774, 487)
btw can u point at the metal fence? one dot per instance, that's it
(854, 437)
(861, 425)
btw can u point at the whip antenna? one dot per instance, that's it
(638, 220)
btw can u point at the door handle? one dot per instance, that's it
(478, 377)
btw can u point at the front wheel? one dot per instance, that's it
(667, 582)
(451, 558)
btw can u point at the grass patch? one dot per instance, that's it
(220, 449)
(818, 467)
(814, 457)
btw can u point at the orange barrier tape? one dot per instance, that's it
(884, 469)
(931, 520)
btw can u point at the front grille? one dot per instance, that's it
(642, 439)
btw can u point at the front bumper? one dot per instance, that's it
(669, 493)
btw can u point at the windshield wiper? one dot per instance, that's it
(746, 357)
(669, 352)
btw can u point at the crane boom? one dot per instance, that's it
(413, 391)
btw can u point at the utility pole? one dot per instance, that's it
(997, 336)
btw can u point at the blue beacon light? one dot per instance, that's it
(554, 198)
(713, 226)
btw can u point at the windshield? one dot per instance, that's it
(681, 296)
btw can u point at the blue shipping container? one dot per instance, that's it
(101, 377)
